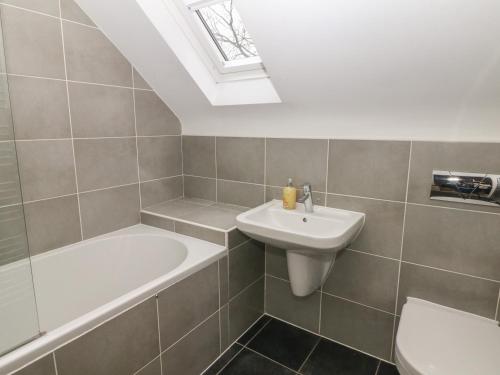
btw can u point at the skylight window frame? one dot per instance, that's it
(247, 68)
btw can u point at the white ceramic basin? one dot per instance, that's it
(311, 239)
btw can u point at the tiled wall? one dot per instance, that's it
(183, 330)
(94, 142)
(448, 253)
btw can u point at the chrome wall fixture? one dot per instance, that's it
(464, 187)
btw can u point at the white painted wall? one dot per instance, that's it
(386, 69)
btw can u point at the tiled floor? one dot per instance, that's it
(277, 348)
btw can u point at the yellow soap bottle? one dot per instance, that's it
(289, 196)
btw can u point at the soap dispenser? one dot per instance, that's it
(289, 196)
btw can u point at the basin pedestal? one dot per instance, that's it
(308, 270)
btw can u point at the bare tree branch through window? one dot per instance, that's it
(224, 24)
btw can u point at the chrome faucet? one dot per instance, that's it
(307, 198)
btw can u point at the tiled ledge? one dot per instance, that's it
(206, 220)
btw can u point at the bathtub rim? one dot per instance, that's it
(200, 255)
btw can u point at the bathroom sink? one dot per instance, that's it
(326, 229)
(311, 240)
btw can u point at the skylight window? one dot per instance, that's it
(226, 28)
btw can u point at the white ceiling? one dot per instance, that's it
(420, 69)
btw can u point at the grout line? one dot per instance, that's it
(74, 81)
(453, 208)
(55, 363)
(136, 139)
(370, 198)
(401, 249)
(220, 307)
(228, 362)
(80, 23)
(309, 355)
(270, 359)
(100, 189)
(93, 138)
(216, 177)
(190, 331)
(320, 308)
(70, 119)
(147, 364)
(370, 254)
(450, 271)
(378, 367)
(327, 169)
(265, 277)
(245, 288)
(339, 297)
(159, 332)
(497, 317)
(82, 192)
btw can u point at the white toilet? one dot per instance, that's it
(438, 340)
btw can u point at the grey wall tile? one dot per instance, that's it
(200, 187)
(223, 280)
(153, 115)
(33, 43)
(187, 303)
(121, 346)
(52, 223)
(240, 193)
(224, 327)
(240, 159)
(157, 191)
(276, 263)
(47, 6)
(366, 279)
(196, 351)
(462, 292)
(101, 111)
(157, 221)
(302, 159)
(108, 210)
(466, 242)
(91, 57)
(199, 156)
(44, 366)
(39, 108)
(246, 264)
(363, 328)
(102, 163)
(463, 157)
(139, 82)
(210, 235)
(153, 368)
(159, 157)
(235, 237)
(245, 309)
(14, 245)
(383, 227)
(70, 10)
(281, 303)
(9, 175)
(46, 169)
(376, 169)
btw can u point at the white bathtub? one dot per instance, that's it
(80, 286)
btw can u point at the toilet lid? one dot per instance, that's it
(438, 340)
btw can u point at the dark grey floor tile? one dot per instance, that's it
(330, 358)
(284, 343)
(387, 369)
(224, 360)
(258, 325)
(250, 363)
